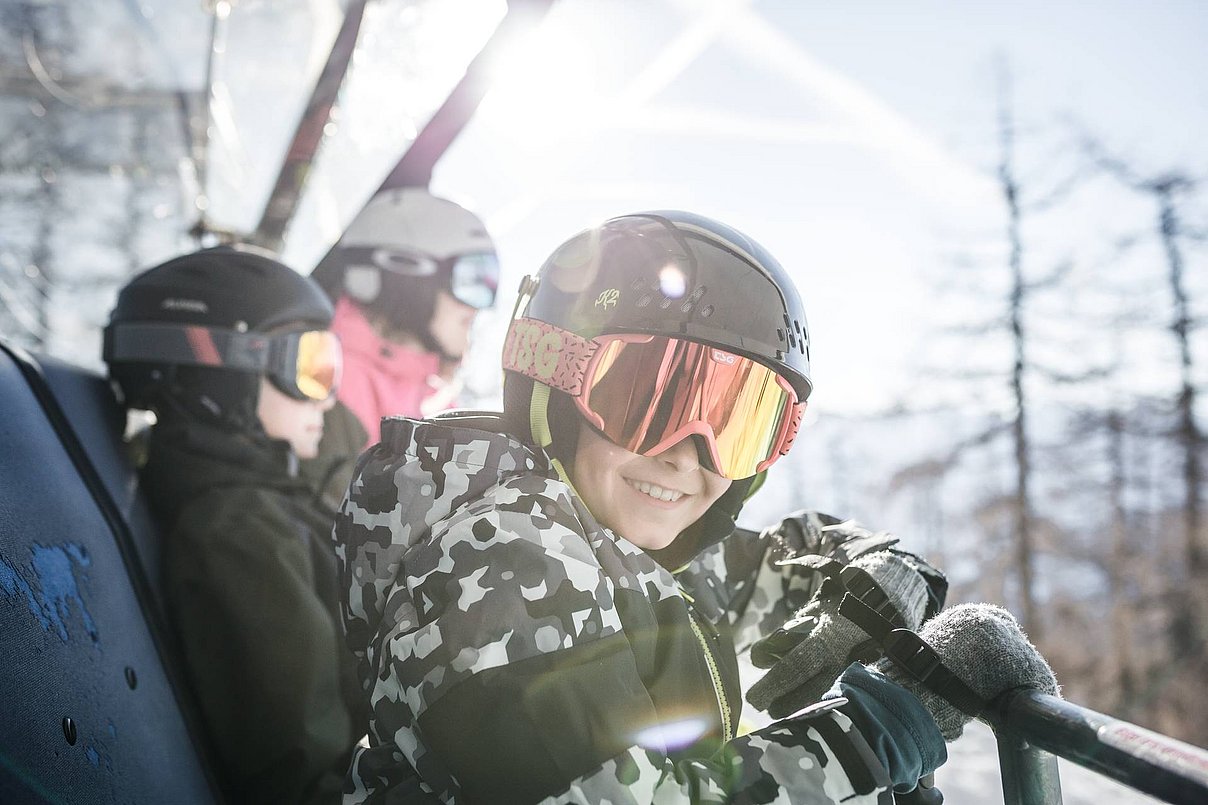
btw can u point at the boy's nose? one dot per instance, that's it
(684, 455)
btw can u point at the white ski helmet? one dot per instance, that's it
(405, 246)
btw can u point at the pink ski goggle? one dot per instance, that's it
(647, 393)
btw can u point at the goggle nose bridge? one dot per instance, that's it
(703, 443)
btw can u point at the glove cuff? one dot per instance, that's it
(915, 658)
(901, 583)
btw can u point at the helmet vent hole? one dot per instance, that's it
(644, 300)
(706, 311)
(665, 304)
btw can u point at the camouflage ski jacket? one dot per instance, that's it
(515, 650)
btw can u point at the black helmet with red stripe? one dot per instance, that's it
(192, 335)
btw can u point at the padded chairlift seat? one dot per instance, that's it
(99, 421)
(94, 704)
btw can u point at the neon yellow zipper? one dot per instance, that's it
(723, 706)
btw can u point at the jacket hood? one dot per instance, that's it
(415, 477)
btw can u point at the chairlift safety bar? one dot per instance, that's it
(1033, 729)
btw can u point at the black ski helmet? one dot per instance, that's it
(236, 288)
(667, 273)
(676, 274)
(681, 275)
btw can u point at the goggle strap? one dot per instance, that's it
(547, 354)
(188, 345)
(539, 424)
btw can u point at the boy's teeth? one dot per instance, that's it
(668, 495)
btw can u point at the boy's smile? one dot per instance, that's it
(648, 500)
(656, 492)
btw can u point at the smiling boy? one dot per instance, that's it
(544, 604)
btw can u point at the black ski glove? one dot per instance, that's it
(984, 647)
(808, 653)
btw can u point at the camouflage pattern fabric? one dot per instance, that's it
(755, 593)
(515, 650)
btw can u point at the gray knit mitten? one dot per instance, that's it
(807, 654)
(983, 645)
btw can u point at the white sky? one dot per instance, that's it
(855, 140)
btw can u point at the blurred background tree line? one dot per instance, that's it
(1059, 472)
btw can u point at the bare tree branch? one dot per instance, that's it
(1074, 378)
(1053, 278)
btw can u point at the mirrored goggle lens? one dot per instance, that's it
(653, 392)
(475, 279)
(319, 365)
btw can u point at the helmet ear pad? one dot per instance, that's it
(362, 283)
(226, 398)
(564, 423)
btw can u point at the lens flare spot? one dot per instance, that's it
(671, 735)
(672, 282)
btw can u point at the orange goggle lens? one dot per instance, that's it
(319, 364)
(646, 393)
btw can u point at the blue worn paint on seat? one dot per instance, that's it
(54, 592)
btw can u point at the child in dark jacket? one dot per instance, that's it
(546, 605)
(230, 350)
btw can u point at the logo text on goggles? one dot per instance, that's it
(532, 347)
(549, 354)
